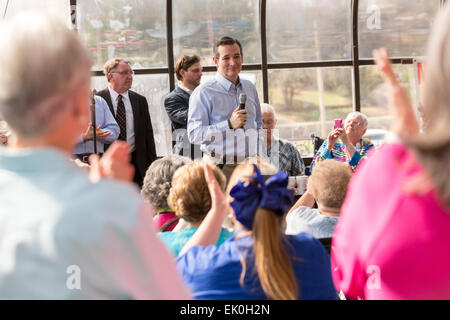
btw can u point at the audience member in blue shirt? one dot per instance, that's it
(327, 186)
(259, 261)
(107, 130)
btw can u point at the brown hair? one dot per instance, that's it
(184, 63)
(225, 41)
(110, 65)
(330, 194)
(272, 261)
(189, 195)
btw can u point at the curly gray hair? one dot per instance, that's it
(158, 180)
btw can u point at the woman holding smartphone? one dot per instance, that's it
(345, 143)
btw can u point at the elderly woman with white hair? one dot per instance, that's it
(346, 144)
(62, 235)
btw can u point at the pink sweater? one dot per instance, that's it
(389, 244)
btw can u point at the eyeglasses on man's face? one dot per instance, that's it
(125, 73)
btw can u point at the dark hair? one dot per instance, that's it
(185, 62)
(225, 41)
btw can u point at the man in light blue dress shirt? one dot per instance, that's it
(227, 134)
(107, 131)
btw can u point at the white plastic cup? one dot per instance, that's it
(292, 182)
(301, 184)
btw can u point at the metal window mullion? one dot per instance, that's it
(73, 13)
(310, 64)
(170, 59)
(264, 66)
(355, 57)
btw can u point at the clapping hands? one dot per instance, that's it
(114, 164)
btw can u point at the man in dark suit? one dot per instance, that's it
(130, 110)
(189, 73)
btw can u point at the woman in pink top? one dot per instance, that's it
(156, 187)
(393, 238)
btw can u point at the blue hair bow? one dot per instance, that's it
(271, 195)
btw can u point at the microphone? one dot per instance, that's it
(242, 100)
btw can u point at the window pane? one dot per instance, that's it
(57, 7)
(307, 100)
(308, 30)
(130, 29)
(154, 88)
(374, 93)
(402, 26)
(197, 24)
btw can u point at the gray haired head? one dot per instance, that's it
(265, 107)
(43, 64)
(362, 116)
(158, 180)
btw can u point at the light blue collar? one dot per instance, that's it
(225, 83)
(34, 159)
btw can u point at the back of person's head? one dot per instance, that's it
(329, 181)
(272, 262)
(226, 41)
(44, 65)
(184, 63)
(158, 180)
(433, 147)
(189, 195)
(436, 96)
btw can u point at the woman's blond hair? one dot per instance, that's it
(433, 147)
(189, 195)
(272, 262)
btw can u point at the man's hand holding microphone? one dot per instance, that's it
(239, 116)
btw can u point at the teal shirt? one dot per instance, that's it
(175, 241)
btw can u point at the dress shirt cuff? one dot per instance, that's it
(327, 155)
(222, 126)
(355, 159)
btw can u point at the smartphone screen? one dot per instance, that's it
(337, 123)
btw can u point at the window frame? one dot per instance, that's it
(355, 62)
